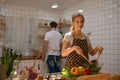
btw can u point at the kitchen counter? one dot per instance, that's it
(99, 76)
(30, 58)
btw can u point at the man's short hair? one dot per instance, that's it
(53, 24)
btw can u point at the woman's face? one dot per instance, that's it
(78, 23)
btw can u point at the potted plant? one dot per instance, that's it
(8, 58)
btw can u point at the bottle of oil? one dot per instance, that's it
(14, 74)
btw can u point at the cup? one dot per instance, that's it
(40, 77)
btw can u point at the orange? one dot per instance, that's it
(74, 71)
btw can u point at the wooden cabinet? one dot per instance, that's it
(2, 28)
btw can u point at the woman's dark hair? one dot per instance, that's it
(53, 24)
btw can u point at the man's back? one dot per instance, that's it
(51, 48)
(54, 39)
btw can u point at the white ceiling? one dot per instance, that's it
(44, 4)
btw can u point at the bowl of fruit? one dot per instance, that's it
(85, 69)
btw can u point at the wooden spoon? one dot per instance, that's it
(86, 59)
(98, 57)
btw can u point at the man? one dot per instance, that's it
(51, 48)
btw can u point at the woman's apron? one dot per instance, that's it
(74, 59)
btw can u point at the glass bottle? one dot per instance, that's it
(14, 74)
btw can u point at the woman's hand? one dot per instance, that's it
(99, 49)
(43, 57)
(78, 50)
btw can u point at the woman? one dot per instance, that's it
(76, 44)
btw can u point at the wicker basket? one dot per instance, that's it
(37, 53)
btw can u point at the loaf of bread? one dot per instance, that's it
(99, 77)
(93, 77)
(113, 77)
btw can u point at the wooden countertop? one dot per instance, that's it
(30, 58)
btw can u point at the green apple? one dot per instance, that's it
(66, 73)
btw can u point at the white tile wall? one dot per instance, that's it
(20, 20)
(102, 20)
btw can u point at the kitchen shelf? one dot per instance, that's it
(66, 25)
(2, 27)
(31, 58)
(2, 23)
(43, 27)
